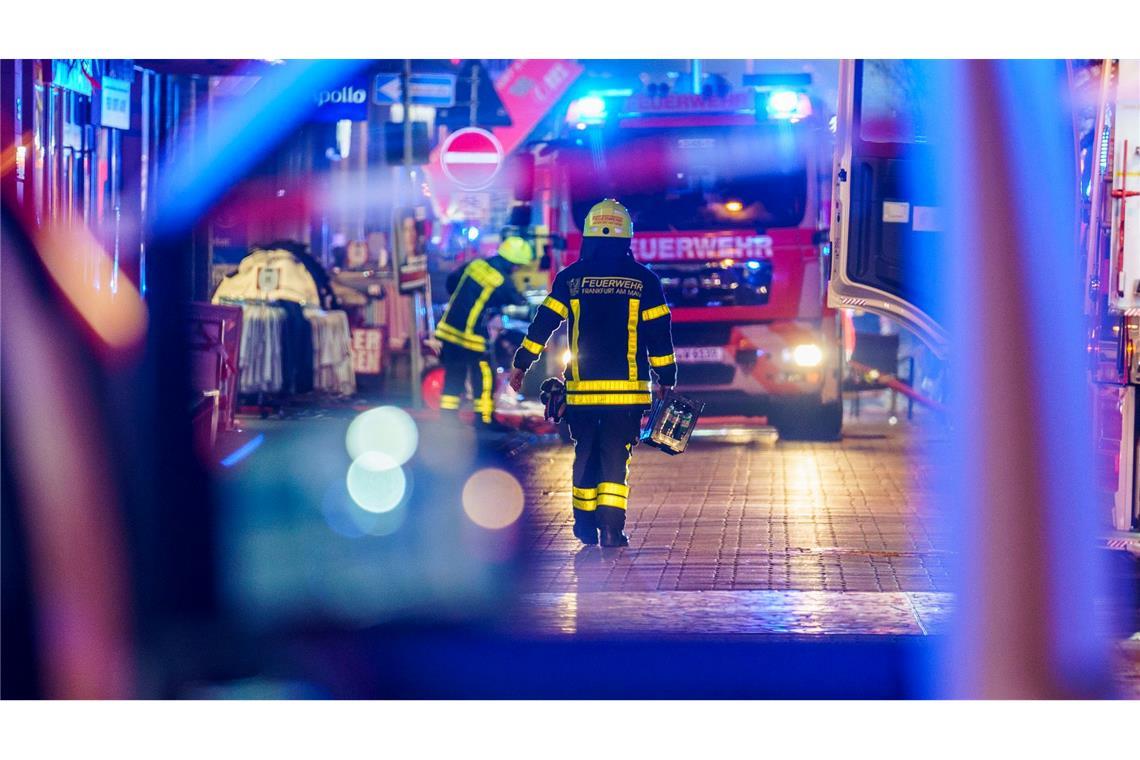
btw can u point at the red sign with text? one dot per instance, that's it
(659, 247)
(529, 88)
(367, 350)
(790, 251)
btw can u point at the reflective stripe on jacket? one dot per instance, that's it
(620, 328)
(475, 289)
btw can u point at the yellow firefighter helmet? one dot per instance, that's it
(516, 250)
(608, 219)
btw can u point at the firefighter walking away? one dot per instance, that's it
(620, 330)
(477, 290)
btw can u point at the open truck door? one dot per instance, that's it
(886, 220)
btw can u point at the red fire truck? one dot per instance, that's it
(729, 195)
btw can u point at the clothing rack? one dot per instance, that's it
(291, 349)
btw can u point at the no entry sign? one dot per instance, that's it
(471, 158)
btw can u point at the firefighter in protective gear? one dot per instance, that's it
(620, 330)
(477, 289)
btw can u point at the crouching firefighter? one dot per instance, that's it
(477, 290)
(620, 329)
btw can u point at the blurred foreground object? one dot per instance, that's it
(955, 215)
(67, 606)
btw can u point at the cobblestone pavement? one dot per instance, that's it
(794, 537)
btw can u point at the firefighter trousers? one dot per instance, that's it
(603, 442)
(458, 365)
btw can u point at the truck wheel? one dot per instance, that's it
(829, 421)
(810, 421)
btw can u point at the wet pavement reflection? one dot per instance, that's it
(795, 537)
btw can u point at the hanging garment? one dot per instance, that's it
(326, 296)
(269, 275)
(297, 348)
(331, 352)
(260, 359)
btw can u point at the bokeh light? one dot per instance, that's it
(346, 517)
(492, 498)
(388, 430)
(118, 316)
(376, 482)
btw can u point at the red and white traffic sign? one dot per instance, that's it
(471, 157)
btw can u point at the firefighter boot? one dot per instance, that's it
(585, 527)
(611, 520)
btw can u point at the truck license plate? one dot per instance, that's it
(696, 354)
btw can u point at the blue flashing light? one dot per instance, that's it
(591, 105)
(590, 109)
(753, 265)
(472, 233)
(799, 80)
(623, 92)
(788, 104)
(783, 101)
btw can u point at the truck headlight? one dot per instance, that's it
(807, 355)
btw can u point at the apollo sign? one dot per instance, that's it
(348, 102)
(343, 95)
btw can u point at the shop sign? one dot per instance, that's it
(367, 350)
(75, 74)
(529, 88)
(408, 227)
(346, 102)
(413, 275)
(115, 104)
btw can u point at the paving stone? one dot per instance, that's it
(851, 521)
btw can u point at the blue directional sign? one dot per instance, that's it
(426, 90)
(387, 90)
(433, 90)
